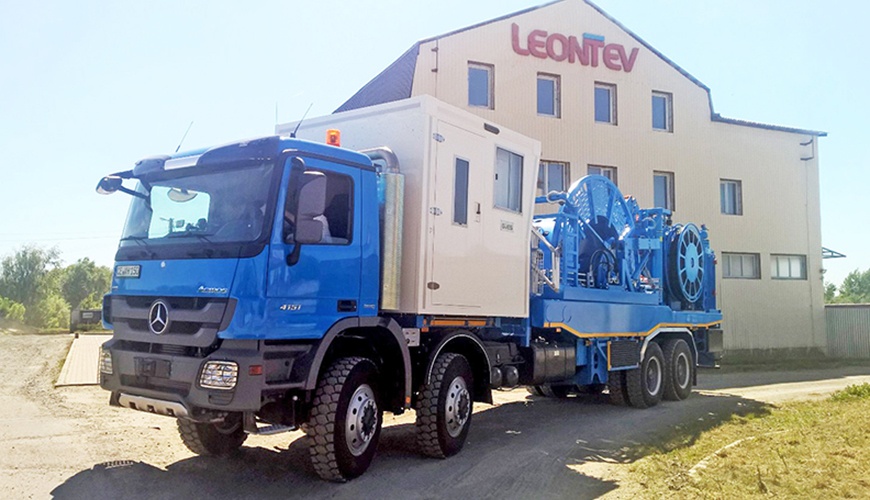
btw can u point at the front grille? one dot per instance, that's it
(189, 303)
(192, 321)
(176, 327)
(167, 349)
(156, 384)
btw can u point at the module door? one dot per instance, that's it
(457, 264)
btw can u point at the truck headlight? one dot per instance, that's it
(105, 361)
(219, 375)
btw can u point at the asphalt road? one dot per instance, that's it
(67, 443)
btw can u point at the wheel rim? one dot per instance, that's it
(653, 376)
(457, 407)
(682, 370)
(362, 420)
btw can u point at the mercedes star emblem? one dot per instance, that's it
(158, 317)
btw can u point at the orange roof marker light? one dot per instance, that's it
(333, 137)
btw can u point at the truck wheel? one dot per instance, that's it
(444, 407)
(220, 439)
(345, 422)
(556, 391)
(644, 385)
(616, 388)
(678, 370)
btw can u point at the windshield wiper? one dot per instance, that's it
(200, 236)
(143, 242)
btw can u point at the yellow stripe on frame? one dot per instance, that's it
(628, 334)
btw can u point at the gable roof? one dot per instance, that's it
(391, 84)
(397, 80)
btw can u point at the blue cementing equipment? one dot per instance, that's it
(623, 272)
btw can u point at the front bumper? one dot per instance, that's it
(169, 384)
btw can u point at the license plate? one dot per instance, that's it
(150, 367)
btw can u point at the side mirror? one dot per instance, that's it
(312, 203)
(109, 184)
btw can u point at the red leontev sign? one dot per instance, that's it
(559, 47)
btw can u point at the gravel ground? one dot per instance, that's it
(68, 443)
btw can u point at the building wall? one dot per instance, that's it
(780, 190)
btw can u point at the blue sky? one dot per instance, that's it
(88, 88)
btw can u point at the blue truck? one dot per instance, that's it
(285, 283)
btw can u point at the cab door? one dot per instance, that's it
(314, 284)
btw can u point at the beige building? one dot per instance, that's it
(604, 101)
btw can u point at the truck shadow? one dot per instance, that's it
(537, 448)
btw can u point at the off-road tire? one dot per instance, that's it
(220, 439)
(330, 454)
(639, 392)
(433, 437)
(678, 370)
(616, 388)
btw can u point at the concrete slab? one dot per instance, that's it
(82, 362)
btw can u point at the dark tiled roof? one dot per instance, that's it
(392, 84)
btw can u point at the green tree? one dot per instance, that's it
(855, 288)
(50, 311)
(23, 275)
(830, 292)
(10, 309)
(84, 280)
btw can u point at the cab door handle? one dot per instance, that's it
(346, 306)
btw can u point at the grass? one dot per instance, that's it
(800, 450)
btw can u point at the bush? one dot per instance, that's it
(11, 310)
(852, 392)
(49, 312)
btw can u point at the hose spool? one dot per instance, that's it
(686, 263)
(607, 220)
(598, 202)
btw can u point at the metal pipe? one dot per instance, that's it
(391, 196)
(386, 155)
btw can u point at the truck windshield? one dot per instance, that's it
(206, 207)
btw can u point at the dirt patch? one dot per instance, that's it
(68, 443)
(8, 327)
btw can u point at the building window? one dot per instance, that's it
(741, 266)
(460, 192)
(662, 111)
(549, 98)
(605, 103)
(609, 172)
(663, 190)
(552, 176)
(480, 85)
(731, 197)
(788, 267)
(508, 180)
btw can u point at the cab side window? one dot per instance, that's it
(337, 216)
